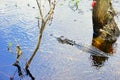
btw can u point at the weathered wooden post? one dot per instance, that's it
(105, 28)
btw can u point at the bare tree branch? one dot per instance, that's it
(40, 9)
(51, 11)
(49, 1)
(41, 27)
(39, 24)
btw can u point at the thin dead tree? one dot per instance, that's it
(44, 18)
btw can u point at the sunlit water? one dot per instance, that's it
(53, 61)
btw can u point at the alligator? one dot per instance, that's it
(84, 47)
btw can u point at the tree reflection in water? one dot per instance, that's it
(105, 30)
(107, 47)
(20, 73)
(18, 69)
(98, 61)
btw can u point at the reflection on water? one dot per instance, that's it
(29, 73)
(105, 46)
(105, 33)
(98, 61)
(53, 61)
(109, 47)
(20, 72)
(18, 69)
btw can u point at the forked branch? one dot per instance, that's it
(42, 26)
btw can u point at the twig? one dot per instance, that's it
(40, 9)
(51, 11)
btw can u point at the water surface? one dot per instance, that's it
(53, 61)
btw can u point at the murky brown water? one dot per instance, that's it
(54, 61)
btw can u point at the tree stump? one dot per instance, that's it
(105, 28)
